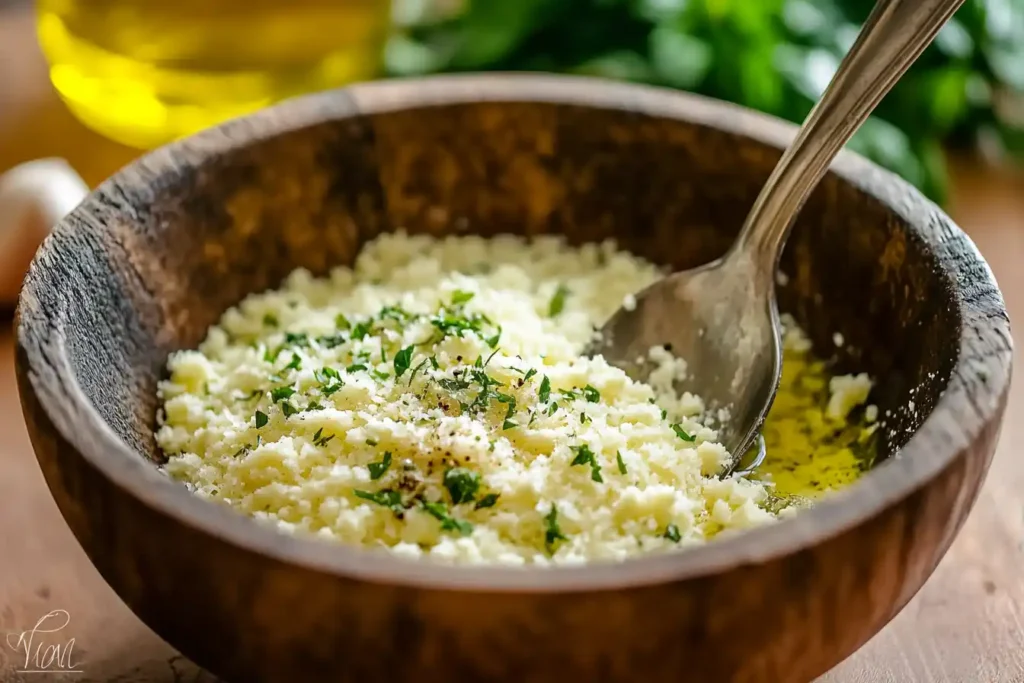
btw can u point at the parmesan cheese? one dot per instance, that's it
(431, 400)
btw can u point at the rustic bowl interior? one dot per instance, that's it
(198, 240)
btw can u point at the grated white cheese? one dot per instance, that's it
(431, 400)
(846, 392)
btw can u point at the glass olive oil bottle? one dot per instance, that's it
(145, 72)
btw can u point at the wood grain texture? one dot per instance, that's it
(152, 258)
(965, 625)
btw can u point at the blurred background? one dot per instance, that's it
(143, 72)
(776, 56)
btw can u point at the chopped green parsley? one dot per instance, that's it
(377, 469)
(552, 531)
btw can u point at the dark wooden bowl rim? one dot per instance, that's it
(932, 448)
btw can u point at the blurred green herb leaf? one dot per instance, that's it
(772, 55)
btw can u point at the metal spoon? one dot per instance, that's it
(722, 318)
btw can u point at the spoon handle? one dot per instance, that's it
(893, 37)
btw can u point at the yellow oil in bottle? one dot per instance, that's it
(145, 72)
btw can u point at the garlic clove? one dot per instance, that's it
(33, 198)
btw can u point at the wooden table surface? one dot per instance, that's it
(967, 623)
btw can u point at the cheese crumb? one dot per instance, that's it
(846, 392)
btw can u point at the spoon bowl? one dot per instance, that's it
(729, 339)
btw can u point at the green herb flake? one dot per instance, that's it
(296, 338)
(330, 389)
(510, 401)
(620, 462)
(371, 442)
(585, 456)
(295, 363)
(288, 409)
(270, 355)
(261, 419)
(545, 390)
(403, 359)
(508, 424)
(493, 342)
(447, 324)
(557, 303)
(448, 523)
(362, 329)
(672, 533)
(341, 322)
(487, 501)
(454, 384)
(416, 370)
(529, 373)
(270, 320)
(320, 440)
(331, 341)
(281, 393)
(379, 374)
(682, 433)
(355, 367)
(462, 484)
(461, 296)
(385, 498)
(377, 469)
(396, 313)
(552, 532)
(591, 394)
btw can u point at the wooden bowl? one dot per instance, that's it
(151, 259)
